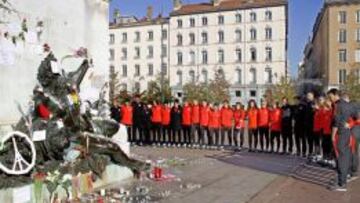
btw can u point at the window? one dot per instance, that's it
(163, 50)
(252, 93)
(357, 35)
(358, 16)
(238, 35)
(112, 54)
(150, 51)
(192, 22)
(252, 76)
(112, 39)
(221, 20)
(204, 21)
(137, 36)
(179, 58)
(150, 35)
(357, 55)
(238, 18)
(268, 51)
(221, 57)
(204, 74)
(342, 55)
(179, 23)
(204, 57)
(268, 33)
(252, 16)
(124, 53)
(238, 93)
(137, 52)
(124, 71)
(164, 68)
(137, 70)
(238, 76)
(342, 36)
(179, 40)
(221, 36)
(253, 55)
(192, 76)
(204, 37)
(179, 75)
(342, 76)
(253, 34)
(268, 15)
(357, 74)
(192, 57)
(342, 17)
(151, 69)
(192, 38)
(137, 87)
(164, 34)
(124, 37)
(238, 55)
(268, 75)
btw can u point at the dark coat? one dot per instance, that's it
(137, 114)
(286, 119)
(176, 118)
(309, 116)
(299, 115)
(146, 118)
(115, 113)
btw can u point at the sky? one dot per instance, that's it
(302, 15)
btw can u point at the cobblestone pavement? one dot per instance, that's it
(227, 177)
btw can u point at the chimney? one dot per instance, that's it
(117, 15)
(177, 4)
(215, 2)
(149, 12)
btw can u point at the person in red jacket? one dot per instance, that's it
(214, 125)
(126, 111)
(204, 122)
(275, 126)
(156, 122)
(227, 117)
(195, 121)
(326, 129)
(252, 115)
(239, 118)
(263, 124)
(186, 123)
(165, 123)
(318, 124)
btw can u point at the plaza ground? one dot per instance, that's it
(227, 177)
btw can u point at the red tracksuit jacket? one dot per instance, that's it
(239, 117)
(252, 118)
(275, 120)
(214, 119)
(226, 117)
(156, 114)
(195, 114)
(127, 115)
(263, 117)
(204, 116)
(165, 115)
(186, 115)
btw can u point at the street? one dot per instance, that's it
(226, 177)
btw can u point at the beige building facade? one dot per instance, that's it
(334, 50)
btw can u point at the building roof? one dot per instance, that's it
(140, 22)
(225, 5)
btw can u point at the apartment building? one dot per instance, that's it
(243, 40)
(334, 49)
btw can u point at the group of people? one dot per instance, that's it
(322, 128)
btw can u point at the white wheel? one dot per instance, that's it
(20, 165)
